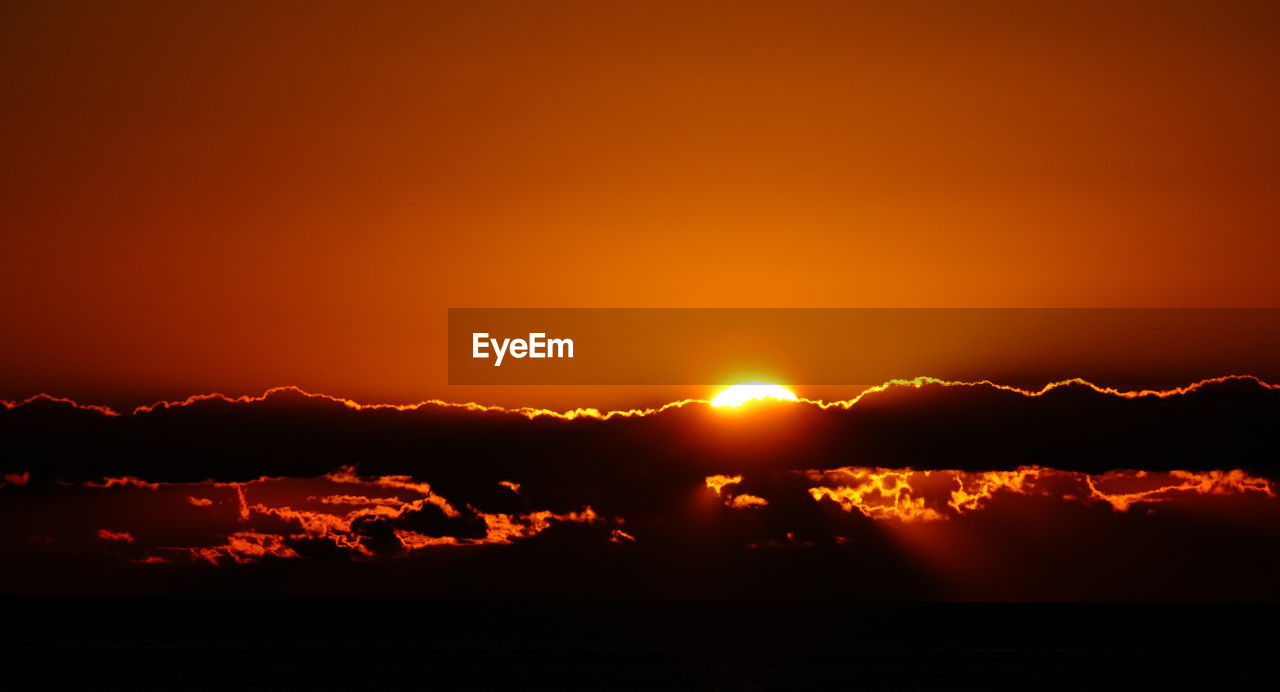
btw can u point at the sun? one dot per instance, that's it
(740, 394)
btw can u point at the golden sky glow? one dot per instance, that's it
(201, 197)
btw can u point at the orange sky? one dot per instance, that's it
(200, 196)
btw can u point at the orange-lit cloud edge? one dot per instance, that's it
(596, 414)
(895, 496)
(338, 527)
(913, 495)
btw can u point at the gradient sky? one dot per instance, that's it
(229, 196)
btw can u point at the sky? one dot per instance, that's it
(232, 196)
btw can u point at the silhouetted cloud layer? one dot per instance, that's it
(915, 491)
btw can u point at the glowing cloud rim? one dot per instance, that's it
(596, 414)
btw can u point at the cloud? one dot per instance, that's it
(470, 452)
(691, 500)
(910, 495)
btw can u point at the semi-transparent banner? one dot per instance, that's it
(661, 346)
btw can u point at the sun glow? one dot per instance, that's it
(740, 394)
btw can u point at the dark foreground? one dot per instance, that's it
(402, 644)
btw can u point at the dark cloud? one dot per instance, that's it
(976, 428)
(645, 477)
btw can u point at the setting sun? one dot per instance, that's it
(739, 394)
